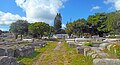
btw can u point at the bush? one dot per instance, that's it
(89, 43)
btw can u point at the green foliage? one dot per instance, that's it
(77, 27)
(19, 27)
(115, 49)
(28, 60)
(0, 32)
(57, 23)
(39, 28)
(87, 44)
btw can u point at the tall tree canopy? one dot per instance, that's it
(58, 23)
(19, 27)
(38, 29)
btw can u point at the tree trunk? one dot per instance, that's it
(16, 36)
(21, 36)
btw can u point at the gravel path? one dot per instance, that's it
(56, 56)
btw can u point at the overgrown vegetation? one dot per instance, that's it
(89, 43)
(28, 60)
(115, 49)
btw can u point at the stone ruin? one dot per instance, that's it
(23, 51)
(38, 44)
(5, 60)
(96, 51)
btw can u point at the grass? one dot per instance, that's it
(64, 56)
(77, 59)
(28, 60)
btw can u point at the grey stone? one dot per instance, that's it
(71, 45)
(24, 51)
(81, 49)
(106, 61)
(104, 45)
(5, 60)
(2, 52)
(9, 52)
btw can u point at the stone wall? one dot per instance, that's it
(24, 51)
(5, 60)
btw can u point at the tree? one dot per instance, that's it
(19, 27)
(77, 27)
(57, 23)
(69, 28)
(0, 32)
(98, 22)
(38, 29)
(113, 22)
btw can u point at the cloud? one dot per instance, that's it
(8, 18)
(116, 3)
(36, 11)
(63, 26)
(95, 8)
(40, 10)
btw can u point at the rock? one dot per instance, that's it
(71, 45)
(95, 44)
(9, 52)
(81, 49)
(86, 50)
(5, 60)
(24, 51)
(106, 61)
(2, 52)
(104, 45)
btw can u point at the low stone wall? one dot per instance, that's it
(106, 62)
(7, 52)
(38, 44)
(5, 60)
(24, 51)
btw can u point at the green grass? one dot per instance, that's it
(64, 56)
(28, 60)
(77, 59)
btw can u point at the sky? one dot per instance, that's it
(46, 10)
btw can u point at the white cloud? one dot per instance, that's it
(40, 10)
(8, 18)
(95, 8)
(63, 26)
(116, 3)
(36, 11)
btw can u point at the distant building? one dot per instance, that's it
(61, 36)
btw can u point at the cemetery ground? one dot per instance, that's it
(56, 53)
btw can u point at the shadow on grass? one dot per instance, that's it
(33, 55)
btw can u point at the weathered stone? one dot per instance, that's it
(86, 50)
(81, 49)
(95, 44)
(106, 62)
(2, 52)
(9, 52)
(5, 60)
(24, 51)
(71, 45)
(104, 45)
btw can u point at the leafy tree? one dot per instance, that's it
(69, 28)
(0, 32)
(57, 23)
(77, 27)
(98, 22)
(19, 27)
(39, 29)
(113, 22)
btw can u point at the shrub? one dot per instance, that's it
(88, 43)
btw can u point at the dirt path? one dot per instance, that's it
(56, 56)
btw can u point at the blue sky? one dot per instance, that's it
(45, 10)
